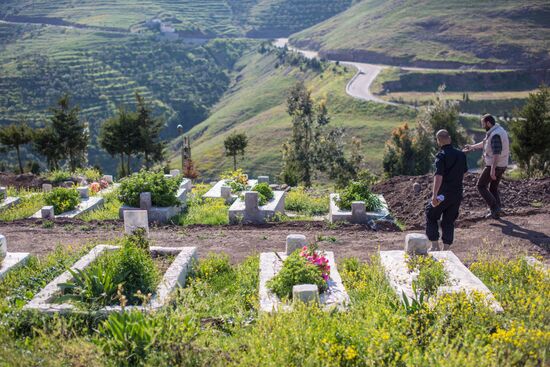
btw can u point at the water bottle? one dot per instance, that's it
(440, 197)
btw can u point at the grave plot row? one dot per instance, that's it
(87, 203)
(335, 295)
(459, 277)
(6, 201)
(358, 213)
(10, 260)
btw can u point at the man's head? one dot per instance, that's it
(443, 138)
(487, 121)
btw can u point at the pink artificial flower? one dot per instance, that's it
(95, 187)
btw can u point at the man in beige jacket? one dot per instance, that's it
(496, 153)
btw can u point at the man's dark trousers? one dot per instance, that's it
(447, 211)
(489, 188)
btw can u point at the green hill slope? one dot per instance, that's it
(256, 105)
(489, 33)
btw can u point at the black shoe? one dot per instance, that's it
(493, 214)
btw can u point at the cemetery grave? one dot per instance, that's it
(86, 204)
(249, 210)
(271, 263)
(358, 213)
(458, 277)
(233, 184)
(10, 260)
(6, 201)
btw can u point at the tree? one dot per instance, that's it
(45, 143)
(234, 144)
(150, 128)
(14, 136)
(312, 146)
(531, 134)
(69, 133)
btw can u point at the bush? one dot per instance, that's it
(358, 191)
(163, 190)
(58, 176)
(237, 180)
(296, 270)
(62, 199)
(264, 192)
(90, 174)
(302, 201)
(431, 273)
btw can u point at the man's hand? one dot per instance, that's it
(467, 148)
(435, 201)
(493, 173)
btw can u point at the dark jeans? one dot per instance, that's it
(489, 188)
(449, 210)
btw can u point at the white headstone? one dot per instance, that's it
(294, 242)
(108, 178)
(174, 172)
(417, 244)
(134, 219)
(305, 293)
(84, 192)
(225, 192)
(358, 211)
(263, 179)
(251, 200)
(47, 212)
(3, 247)
(47, 187)
(145, 201)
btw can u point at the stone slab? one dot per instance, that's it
(175, 276)
(216, 191)
(239, 214)
(460, 278)
(334, 297)
(338, 215)
(9, 202)
(12, 261)
(86, 205)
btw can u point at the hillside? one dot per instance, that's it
(256, 105)
(503, 33)
(266, 18)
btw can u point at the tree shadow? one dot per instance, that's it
(513, 230)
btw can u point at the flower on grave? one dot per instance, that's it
(104, 184)
(95, 187)
(318, 259)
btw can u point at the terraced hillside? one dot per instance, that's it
(206, 17)
(256, 105)
(102, 71)
(489, 33)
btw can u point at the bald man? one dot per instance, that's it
(450, 167)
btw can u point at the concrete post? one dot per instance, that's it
(134, 219)
(417, 244)
(263, 179)
(295, 242)
(84, 192)
(47, 212)
(358, 212)
(305, 293)
(225, 192)
(251, 201)
(145, 201)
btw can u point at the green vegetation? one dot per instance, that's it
(14, 136)
(435, 33)
(109, 210)
(234, 144)
(163, 190)
(265, 193)
(204, 211)
(306, 201)
(237, 180)
(126, 275)
(431, 273)
(62, 199)
(358, 191)
(31, 202)
(214, 321)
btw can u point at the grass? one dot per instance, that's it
(204, 211)
(109, 211)
(306, 202)
(432, 31)
(214, 321)
(31, 202)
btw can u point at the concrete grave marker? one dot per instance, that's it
(145, 201)
(108, 178)
(134, 219)
(3, 247)
(305, 293)
(249, 211)
(417, 244)
(10, 260)
(6, 201)
(225, 192)
(47, 212)
(295, 242)
(84, 192)
(174, 172)
(358, 213)
(263, 179)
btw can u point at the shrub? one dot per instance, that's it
(210, 212)
(62, 199)
(302, 201)
(296, 270)
(237, 180)
(58, 176)
(431, 273)
(163, 190)
(90, 174)
(264, 192)
(358, 191)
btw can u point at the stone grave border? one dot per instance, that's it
(460, 278)
(12, 261)
(8, 202)
(270, 264)
(220, 191)
(174, 276)
(358, 214)
(244, 211)
(86, 205)
(164, 214)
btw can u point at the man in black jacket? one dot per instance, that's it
(450, 167)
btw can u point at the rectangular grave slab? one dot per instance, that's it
(360, 217)
(12, 261)
(240, 213)
(163, 214)
(270, 265)
(86, 205)
(175, 276)
(460, 278)
(216, 191)
(9, 202)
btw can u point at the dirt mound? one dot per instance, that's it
(26, 180)
(518, 197)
